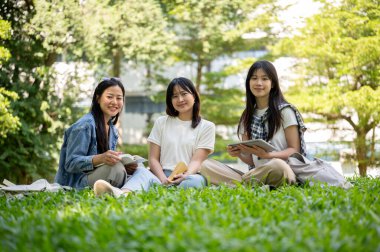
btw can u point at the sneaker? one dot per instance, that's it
(102, 187)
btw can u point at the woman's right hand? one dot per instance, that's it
(110, 157)
(165, 181)
(233, 151)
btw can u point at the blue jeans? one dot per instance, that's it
(142, 179)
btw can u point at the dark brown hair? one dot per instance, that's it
(275, 99)
(187, 85)
(96, 111)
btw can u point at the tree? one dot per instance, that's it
(31, 152)
(340, 52)
(206, 30)
(58, 26)
(8, 122)
(126, 30)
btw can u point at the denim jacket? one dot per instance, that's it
(78, 148)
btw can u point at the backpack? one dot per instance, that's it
(316, 170)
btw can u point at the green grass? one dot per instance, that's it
(212, 219)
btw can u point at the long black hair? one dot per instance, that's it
(275, 99)
(187, 85)
(96, 111)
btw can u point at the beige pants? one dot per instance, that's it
(274, 173)
(115, 175)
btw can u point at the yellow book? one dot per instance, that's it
(181, 167)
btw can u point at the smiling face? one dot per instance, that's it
(260, 84)
(183, 101)
(111, 102)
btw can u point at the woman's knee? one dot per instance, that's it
(280, 172)
(114, 174)
(196, 181)
(118, 169)
(205, 166)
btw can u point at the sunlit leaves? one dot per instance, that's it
(8, 122)
(135, 28)
(5, 32)
(340, 52)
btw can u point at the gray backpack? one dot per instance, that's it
(316, 170)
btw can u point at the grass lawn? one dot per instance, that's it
(212, 219)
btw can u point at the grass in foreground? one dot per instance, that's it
(211, 219)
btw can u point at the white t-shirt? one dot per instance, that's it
(179, 141)
(278, 140)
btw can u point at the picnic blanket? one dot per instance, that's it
(41, 185)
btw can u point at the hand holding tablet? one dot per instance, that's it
(256, 142)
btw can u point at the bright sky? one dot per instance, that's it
(299, 10)
(294, 16)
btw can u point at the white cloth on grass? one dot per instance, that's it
(41, 185)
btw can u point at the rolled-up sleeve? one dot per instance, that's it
(207, 137)
(157, 131)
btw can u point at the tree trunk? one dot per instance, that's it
(199, 76)
(148, 76)
(116, 63)
(361, 152)
(373, 142)
(50, 59)
(116, 66)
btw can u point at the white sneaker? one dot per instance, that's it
(103, 187)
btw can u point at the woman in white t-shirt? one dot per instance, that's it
(270, 117)
(181, 136)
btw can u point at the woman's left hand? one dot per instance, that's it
(179, 178)
(130, 168)
(255, 150)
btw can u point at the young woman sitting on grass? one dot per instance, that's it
(88, 150)
(267, 116)
(180, 137)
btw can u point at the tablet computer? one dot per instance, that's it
(257, 142)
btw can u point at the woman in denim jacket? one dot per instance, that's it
(88, 151)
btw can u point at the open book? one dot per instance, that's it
(257, 142)
(128, 159)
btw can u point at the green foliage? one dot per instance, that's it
(129, 30)
(43, 111)
(135, 149)
(340, 63)
(8, 122)
(220, 152)
(5, 31)
(212, 219)
(206, 30)
(57, 24)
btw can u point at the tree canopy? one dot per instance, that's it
(339, 50)
(31, 151)
(206, 30)
(8, 122)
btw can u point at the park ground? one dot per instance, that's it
(245, 218)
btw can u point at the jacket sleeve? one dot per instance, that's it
(79, 147)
